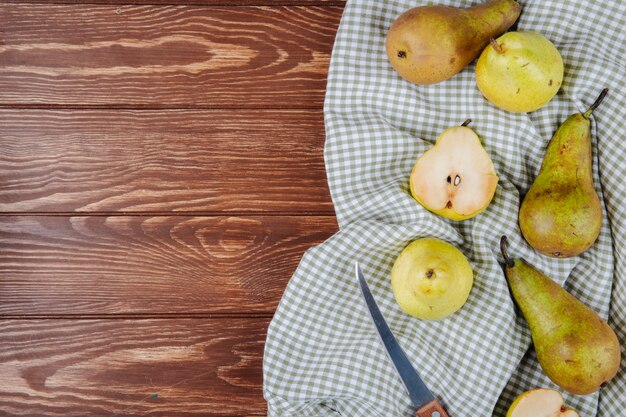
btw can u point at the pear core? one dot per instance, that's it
(541, 402)
(455, 178)
(431, 279)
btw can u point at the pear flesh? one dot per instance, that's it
(561, 215)
(456, 178)
(576, 348)
(429, 44)
(541, 402)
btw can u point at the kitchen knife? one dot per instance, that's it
(426, 405)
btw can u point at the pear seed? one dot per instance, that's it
(457, 180)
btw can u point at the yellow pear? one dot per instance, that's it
(519, 71)
(431, 279)
(456, 178)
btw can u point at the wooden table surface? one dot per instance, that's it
(161, 175)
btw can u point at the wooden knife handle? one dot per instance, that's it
(432, 409)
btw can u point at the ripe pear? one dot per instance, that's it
(455, 178)
(540, 402)
(520, 71)
(431, 279)
(576, 348)
(561, 214)
(429, 44)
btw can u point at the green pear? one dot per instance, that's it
(429, 44)
(520, 71)
(576, 348)
(561, 214)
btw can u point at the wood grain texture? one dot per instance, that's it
(144, 56)
(95, 265)
(149, 178)
(132, 367)
(162, 161)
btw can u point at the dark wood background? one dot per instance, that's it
(161, 174)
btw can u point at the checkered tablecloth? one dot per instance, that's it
(322, 355)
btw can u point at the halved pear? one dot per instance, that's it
(540, 402)
(455, 178)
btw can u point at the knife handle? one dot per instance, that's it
(432, 409)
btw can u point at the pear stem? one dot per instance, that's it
(496, 46)
(468, 121)
(503, 245)
(595, 103)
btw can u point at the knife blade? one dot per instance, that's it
(426, 405)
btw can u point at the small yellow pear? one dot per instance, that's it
(520, 71)
(431, 279)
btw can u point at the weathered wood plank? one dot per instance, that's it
(96, 265)
(161, 161)
(165, 55)
(182, 367)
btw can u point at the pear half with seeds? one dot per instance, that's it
(456, 178)
(540, 402)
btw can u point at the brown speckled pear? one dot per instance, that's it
(561, 214)
(429, 44)
(576, 348)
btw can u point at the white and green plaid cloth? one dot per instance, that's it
(322, 355)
